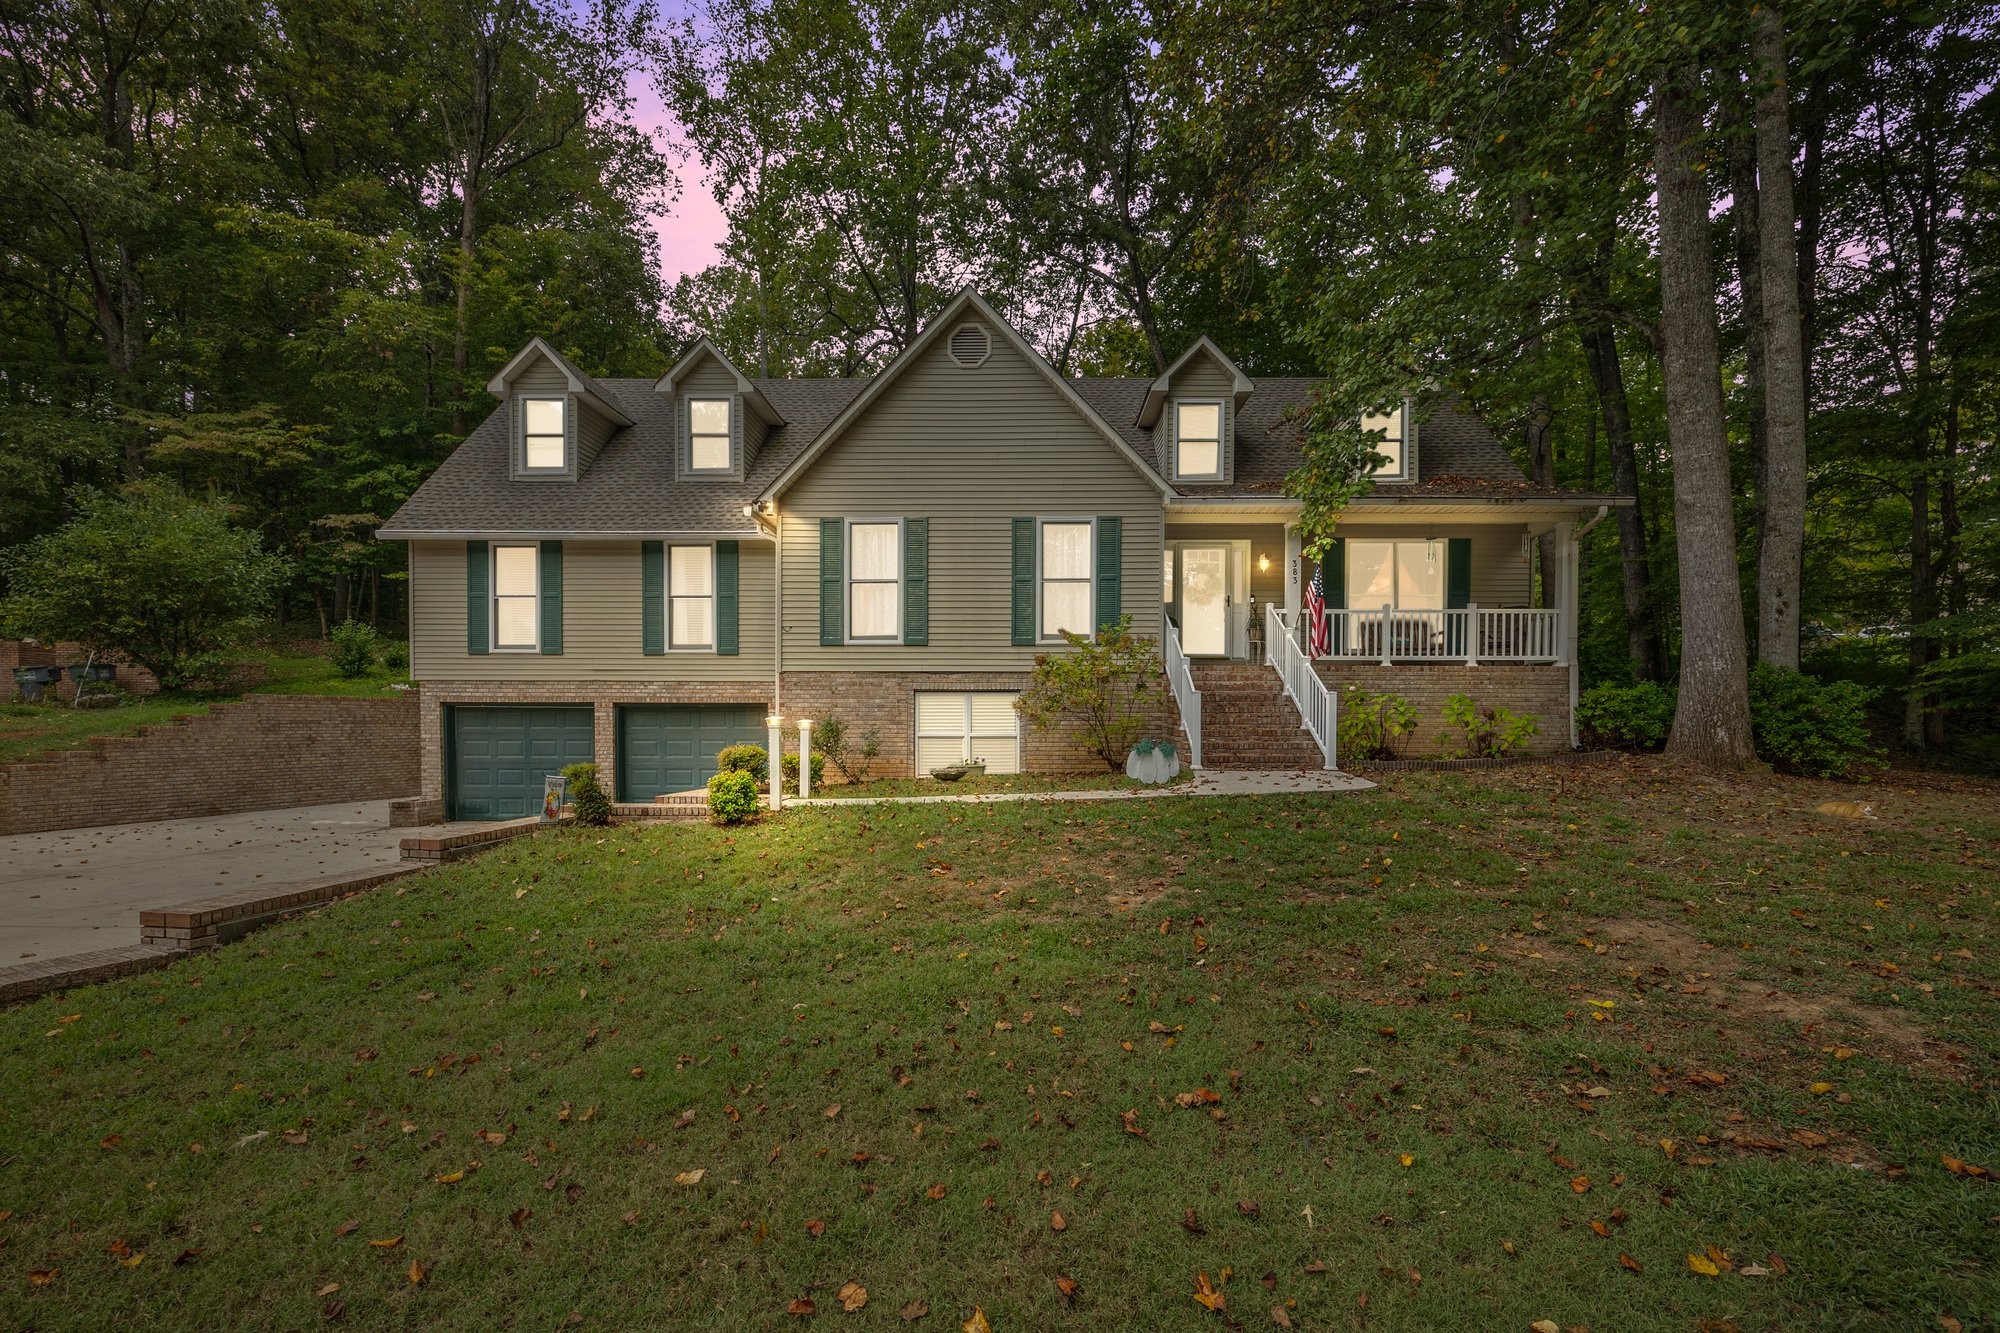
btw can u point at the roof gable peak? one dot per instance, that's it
(1161, 389)
(580, 384)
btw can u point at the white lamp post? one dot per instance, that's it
(773, 768)
(805, 758)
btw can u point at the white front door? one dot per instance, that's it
(1205, 601)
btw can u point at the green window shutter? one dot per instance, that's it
(1110, 568)
(1458, 572)
(1024, 582)
(477, 642)
(653, 593)
(551, 567)
(725, 599)
(1333, 574)
(917, 582)
(831, 576)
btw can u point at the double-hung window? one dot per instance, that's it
(1198, 441)
(708, 435)
(1066, 578)
(1390, 446)
(690, 597)
(544, 443)
(875, 581)
(516, 594)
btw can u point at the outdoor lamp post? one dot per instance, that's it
(775, 770)
(805, 758)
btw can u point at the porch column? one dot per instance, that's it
(1567, 563)
(1294, 575)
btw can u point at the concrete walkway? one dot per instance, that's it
(77, 891)
(1205, 782)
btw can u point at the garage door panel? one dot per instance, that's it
(500, 756)
(664, 748)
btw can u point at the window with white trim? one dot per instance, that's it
(875, 581)
(1409, 576)
(708, 435)
(959, 728)
(1198, 441)
(1390, 445)
(1067, 555)
(517, 618)
(690, 597)
(544, 442)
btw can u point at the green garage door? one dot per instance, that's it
(671, 747)
(499, 757)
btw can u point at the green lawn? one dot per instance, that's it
(974, 785)
(682, 1077)
(27, 730)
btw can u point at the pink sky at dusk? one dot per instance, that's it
(691, 226)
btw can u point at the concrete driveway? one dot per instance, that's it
(77, 890)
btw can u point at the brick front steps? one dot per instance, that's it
(682, 807)
(1248, 723)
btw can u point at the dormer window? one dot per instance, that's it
(1198, 441)
(1390, 446)
(544, 442)
(708, 435)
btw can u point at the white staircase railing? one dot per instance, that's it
(1186, 697)
(1319, 707)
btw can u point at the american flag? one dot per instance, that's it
(1319, 626)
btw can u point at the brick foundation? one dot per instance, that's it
(1540, 691)
(602, 696)
(268, 752)
(884, 701)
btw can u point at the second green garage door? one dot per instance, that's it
(499, 757)
(671, 747)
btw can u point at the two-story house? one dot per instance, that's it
(639, 572)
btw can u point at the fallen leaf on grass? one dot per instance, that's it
(1067, 1287)
(493, 1138)
(327, 1290)
(935, 1192)
(417, 1273)
(41, 1277)
(1700, 1264)
(914, 1310)
(1205, 1294)
(1580, 1185)
(348, 1227)
(389, 1244)
(691, 1177)
(1963, 1168)
(1199, 1097)
(451, 1177)
(976, 1324)
(1131, 1122)
(832, 1111)
(186, 1257)
(852, 1296)
(1545, 1326)
(1279, 1317)
(519, 1217)
(1628, 1262)
(1777, 1262)
(802, 1307)
(815, 1228)
(296, 1137)
(1057, 1222)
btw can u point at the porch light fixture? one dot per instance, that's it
(1263, 564)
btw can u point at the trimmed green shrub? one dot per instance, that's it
(589, 803)
(353, 649)
(789, 766)
(1370, 724)
(1627, 717)
(1818, 728)
(732, 797)
(852, 758)
(749, 759)
(1486, 733)
(396, 655)
(1099, 692)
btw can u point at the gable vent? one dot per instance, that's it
(970, 345)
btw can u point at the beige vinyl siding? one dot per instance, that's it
(1499, 574)
(710, 379)
(601, 620)
(970, 450)
(1266, 539)
(1201, 381)
(542, 378)
(590, 433)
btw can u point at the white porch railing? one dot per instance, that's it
(1319, 707)
(1470, 635)
(1186, 697)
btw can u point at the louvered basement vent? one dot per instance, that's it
(970, 345)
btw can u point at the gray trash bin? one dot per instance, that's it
(32, 681)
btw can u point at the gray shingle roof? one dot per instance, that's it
(629, 488)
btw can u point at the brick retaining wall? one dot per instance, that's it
(268, 752)
(1541, 691)
(134, 680)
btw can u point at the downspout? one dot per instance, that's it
(777, 610)
(1596, 518)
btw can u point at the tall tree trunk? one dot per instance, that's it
(1744, 214)
(1781, 544)
(1812, 168)
(1712, 723)
(461, 331)
(1642, 637)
